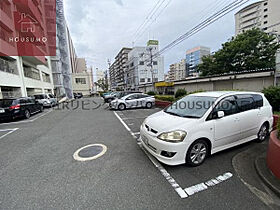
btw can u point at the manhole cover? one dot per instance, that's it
(90, 152)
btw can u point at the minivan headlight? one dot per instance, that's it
(173, 136)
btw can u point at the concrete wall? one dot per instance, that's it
(256, 81)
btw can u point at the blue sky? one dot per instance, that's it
(100, 28)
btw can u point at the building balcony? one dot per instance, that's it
(6, 21)
(28, 7)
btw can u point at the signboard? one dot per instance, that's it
(152, 42)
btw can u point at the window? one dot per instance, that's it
(265, 10)
(228, 105)
(258, 100)
(265, 22)
(141, 63)
(245, 102)
(81, 81)
(265, 4)
(46, 77)
(142, 80)
(7, 65)
(155, 79)
(32, 73)
(154, 62)
(265, 16)
(149, 79)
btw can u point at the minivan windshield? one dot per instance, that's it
(191, 106)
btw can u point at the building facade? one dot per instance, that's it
(82, 82)
(24, 75)
(118, 68)
(263, 14)
(177, 71)
(140, 69)
(194, 58)
(63, 64)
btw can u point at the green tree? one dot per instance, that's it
(253, 49)
(102, 84)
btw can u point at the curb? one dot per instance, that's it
(266, 176)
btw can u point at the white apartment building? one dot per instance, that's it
(98, 75)
(177, 71)
(139, 71)
(25, 76)
(82, 82)
(263, 14)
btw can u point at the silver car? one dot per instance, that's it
(48, 99)
(135, 100)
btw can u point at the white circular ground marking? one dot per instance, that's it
(77, 157)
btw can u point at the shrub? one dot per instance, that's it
(272, 94)
(151, 93)
(180, 93)
(165, 98)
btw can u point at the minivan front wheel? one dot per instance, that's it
(121, 107)
(263, 133)
(197, 153)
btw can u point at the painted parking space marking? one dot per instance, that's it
(28, 121)
(183, 193)
(7, 132)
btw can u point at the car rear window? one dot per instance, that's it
(7, 102)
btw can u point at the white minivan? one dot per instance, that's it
(204, 123)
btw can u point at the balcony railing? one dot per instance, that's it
(8, 66)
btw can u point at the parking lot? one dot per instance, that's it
(38, 170)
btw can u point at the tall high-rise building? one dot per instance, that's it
(194, 58)
(140, 70)
(262, 14)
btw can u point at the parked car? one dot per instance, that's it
(114, 95)
(78, 95)
(105, 94)
(202, 124)
(135, 100)
(48, 100)
(13, 108)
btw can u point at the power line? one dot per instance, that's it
(151, 20)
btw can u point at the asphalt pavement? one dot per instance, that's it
(38, 171)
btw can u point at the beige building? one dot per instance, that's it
(263, 14)
(177, 71)
(81, 65)
(82, 82)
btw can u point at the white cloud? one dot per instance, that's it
(100, 29)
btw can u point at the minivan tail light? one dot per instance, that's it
(15, 107)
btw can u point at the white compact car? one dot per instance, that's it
(48, 100)
(202, 124)
(134, 100)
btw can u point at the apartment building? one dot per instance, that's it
(262, 14)
(118, 68)
(24, 68)
(177, 71)
(82, 82)
(140, 70)
(194, 58)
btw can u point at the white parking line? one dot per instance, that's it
(27, 121)
(183, 193)
(9, 132)
(162, 170)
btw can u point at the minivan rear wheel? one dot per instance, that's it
(263, 133)
(197, 153)
(149, 105)
(27, 114)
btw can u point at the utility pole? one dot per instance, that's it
(151, 64)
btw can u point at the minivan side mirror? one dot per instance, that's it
(221, 114)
